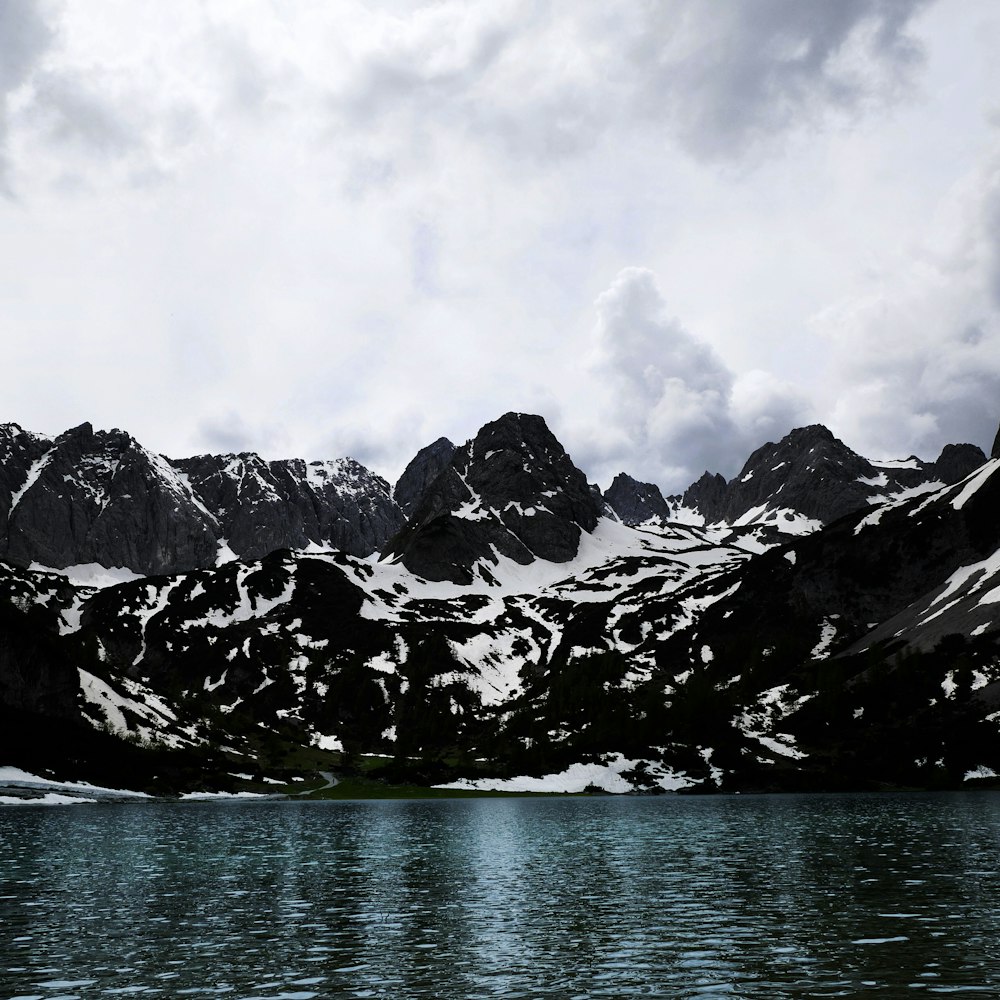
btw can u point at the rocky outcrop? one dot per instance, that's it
(262, 506)
(812, 474)
(424, 468)
(512, 491)
(707, 495)
(100, 497)
(634, 502)
(957, 461)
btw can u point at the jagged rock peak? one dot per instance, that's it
(423, 469)
(707, 496)
(995, 453)
(511, 491)
(635, 502)
(956, 461)
(100, 497)
(263, 505)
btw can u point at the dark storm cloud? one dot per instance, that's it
(729, 75)
(24, 37)
(719, 77)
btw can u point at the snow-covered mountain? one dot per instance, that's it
(515, 624)
(810, 478)
(99, 498)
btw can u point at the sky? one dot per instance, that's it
(676, 229)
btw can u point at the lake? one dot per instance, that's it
(743, 896)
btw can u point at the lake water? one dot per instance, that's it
(784, 896)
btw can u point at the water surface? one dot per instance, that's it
(771, 896)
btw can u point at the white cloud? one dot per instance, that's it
(675, 407)
(355, 227)
(918, 360)
(24, 38)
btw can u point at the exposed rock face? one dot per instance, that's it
(707, 495)
(635, 502)
(262, 506)
(812, 474)
(511, 491)
(956, 461)
(424, 468)
(19, 451)
(995, 453)
(100, 497)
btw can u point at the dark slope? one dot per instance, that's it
(423, 469)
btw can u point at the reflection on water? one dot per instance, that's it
(811, 896)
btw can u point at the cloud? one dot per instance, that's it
(24, 38)
(718, 78)
(229, 432)
(919, 358)
(675, 408)
(727, 76)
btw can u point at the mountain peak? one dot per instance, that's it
(423, 469)
(511, 491)
(635, 502)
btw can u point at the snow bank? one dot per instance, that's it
(577, 777)
(80, 791)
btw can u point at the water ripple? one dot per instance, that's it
(777, 897)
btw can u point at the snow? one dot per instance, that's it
(15, 777)
(827, 634)
(224, 553)
(880, 480)
(91, 574)
(48, 799)
(687, 516)
(326, 742)
(495, 667)
(144, 704)
(957, 585)
(975, 482)
(211, 685)
(188, 491)
(897, 463)
(607, 776)
(609, 541)
(248, 607)
(206, 796)
(382, 663)
(790, 556)
(982, 771)
(784, 519)
(33, 473)
(782, 749)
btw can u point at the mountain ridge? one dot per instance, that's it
(515, 625)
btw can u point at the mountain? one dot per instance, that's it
(636, 503)
(512, 492)
(100, 497)
(263, 506)
(423, 469)
(512, 627)
(811, 478)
